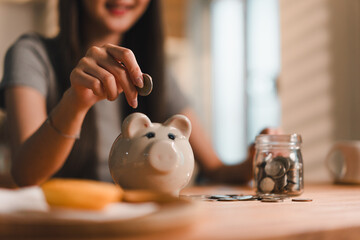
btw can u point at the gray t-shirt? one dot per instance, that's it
(27, 63)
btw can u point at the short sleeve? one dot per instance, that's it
(25, 65)
(175, 99)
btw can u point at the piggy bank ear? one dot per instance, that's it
(180, 122)
(133, 123)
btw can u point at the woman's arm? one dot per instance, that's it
(39, 149)
(209, 161)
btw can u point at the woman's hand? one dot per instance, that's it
(272, 131)
(105, 72)
(243, 172)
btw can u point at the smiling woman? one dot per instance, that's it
(84, 80)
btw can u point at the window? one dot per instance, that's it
(263, 66)
(228, 78)
(241, 39)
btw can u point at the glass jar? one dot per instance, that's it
(278, 165)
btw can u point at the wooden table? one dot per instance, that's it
(334, 213)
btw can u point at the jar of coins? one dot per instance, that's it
(278, 165)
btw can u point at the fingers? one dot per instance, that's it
(127, 57)
(105, 76)
(129, 89)
(272, 131)
(107, 80)
(89, 82)
(122, 79)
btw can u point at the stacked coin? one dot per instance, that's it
(278, 175)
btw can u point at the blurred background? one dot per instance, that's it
(246, 65)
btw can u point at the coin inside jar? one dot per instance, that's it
(148, 85)
(275, 169)
(267, 185)
(286, 162)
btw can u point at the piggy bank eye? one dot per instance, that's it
(150, 135)
(171, 136)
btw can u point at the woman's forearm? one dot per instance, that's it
(208, 160)
(201, 144)
(233, 174)
(44, 152)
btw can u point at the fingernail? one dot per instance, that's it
(134, 103)
(139, 82)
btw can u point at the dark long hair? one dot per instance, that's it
(145, 39)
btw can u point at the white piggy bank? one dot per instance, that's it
(152, 156)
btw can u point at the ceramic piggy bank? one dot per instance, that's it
(152, 156)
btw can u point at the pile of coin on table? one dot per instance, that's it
(237, 197)
(252, 197)
(278, 175)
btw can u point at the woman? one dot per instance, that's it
(55, 87)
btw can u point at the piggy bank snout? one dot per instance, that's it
(163, 156)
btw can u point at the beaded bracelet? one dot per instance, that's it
(51, 124)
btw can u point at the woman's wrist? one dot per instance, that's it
(49, 121)
(68, 116)
(77, 103)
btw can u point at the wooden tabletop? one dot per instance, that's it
(334, 213)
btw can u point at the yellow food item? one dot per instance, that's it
(83, 194)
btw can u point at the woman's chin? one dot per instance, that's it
(118, 26)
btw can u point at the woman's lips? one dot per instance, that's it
(117, 10)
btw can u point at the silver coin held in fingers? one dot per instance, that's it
(148, 85)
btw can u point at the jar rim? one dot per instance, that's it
(278, 139)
